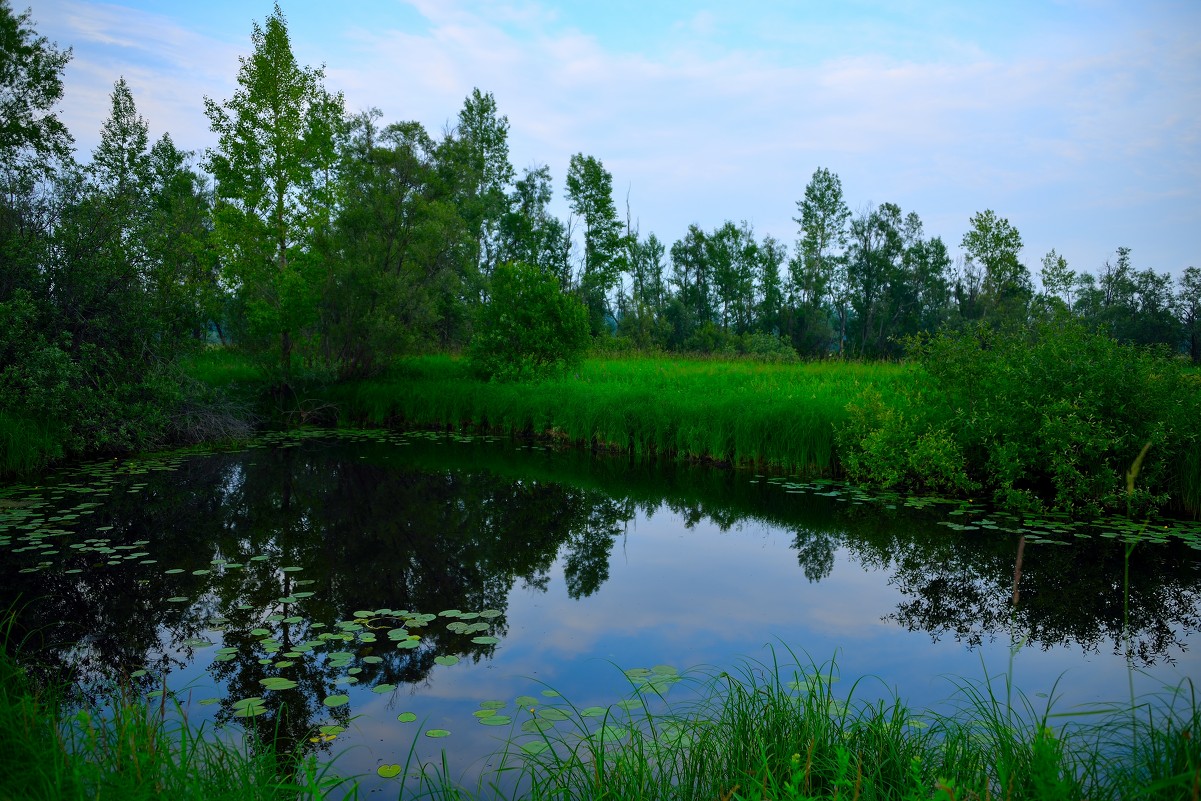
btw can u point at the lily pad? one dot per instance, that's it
(336, 700)
(437, 733)
(388, 771)
(496, 720)
(406, 717)
(380, 689)
(485, 640)
(446, 660)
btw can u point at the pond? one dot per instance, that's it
(415, 593)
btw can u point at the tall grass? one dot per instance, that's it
(25, 444)
(782, 415)
(130, 751)
(780, 731)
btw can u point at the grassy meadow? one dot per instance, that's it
(783, 415)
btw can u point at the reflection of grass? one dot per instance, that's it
(781, 732)
(129, 751)
(780, 414)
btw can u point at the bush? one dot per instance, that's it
(1049, 417)
(529, 329)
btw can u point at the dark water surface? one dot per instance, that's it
(328, 562)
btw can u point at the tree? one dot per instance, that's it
(393, 252)
(32, 137)
(590, 193)
(474, 160)
(529, 232)
(769, 287)
(816, 265)
(1189, 303)
(529, 328)
(274, 163)
(994, 244)
(692, 279)
(33, 143)
(1057, 280)
(872, 273)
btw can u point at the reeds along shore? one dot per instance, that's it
(779, 414)
(761, 731)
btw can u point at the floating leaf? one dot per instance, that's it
(493, 705)
(535, 748)
(593, 712)
(485, 640)
(336, 700)
(550, 713)
(436, 733)
(496, 720)
(380, 689)
(551, 693)
(388, 771)
(446, 660)
(406, 717)
(277, 683)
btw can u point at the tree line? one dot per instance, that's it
(319, 239)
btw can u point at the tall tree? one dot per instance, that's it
(1058, 281)
(590, 193)
(873, 262)
(1188, 302)
(394, 248)
(817, 267)
(274, 159)
(994, 244)
(769, 286)
(530, 233)
(474, 159)
(34, 143)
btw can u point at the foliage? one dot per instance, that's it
(781, 731)
(273, 163)
(529, 328)
(130, 751)
(1046, 417)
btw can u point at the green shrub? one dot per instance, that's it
(530, 328)
(1049, 417)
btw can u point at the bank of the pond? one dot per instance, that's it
(896, 426)
(763, 731)
(784, 415)
(129, 748)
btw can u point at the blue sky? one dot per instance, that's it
(1080, 122)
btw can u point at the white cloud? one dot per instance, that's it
(1065, 135)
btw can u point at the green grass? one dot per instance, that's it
(781, 731)
(26, 445)
(782, 415)
(131, 751)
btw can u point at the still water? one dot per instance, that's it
(406, 590)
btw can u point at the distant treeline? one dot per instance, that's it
(326, 241)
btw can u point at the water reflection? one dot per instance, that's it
(305, 560)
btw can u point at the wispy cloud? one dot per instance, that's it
(1079, 125)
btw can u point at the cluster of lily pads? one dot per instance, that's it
(1049, 529)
